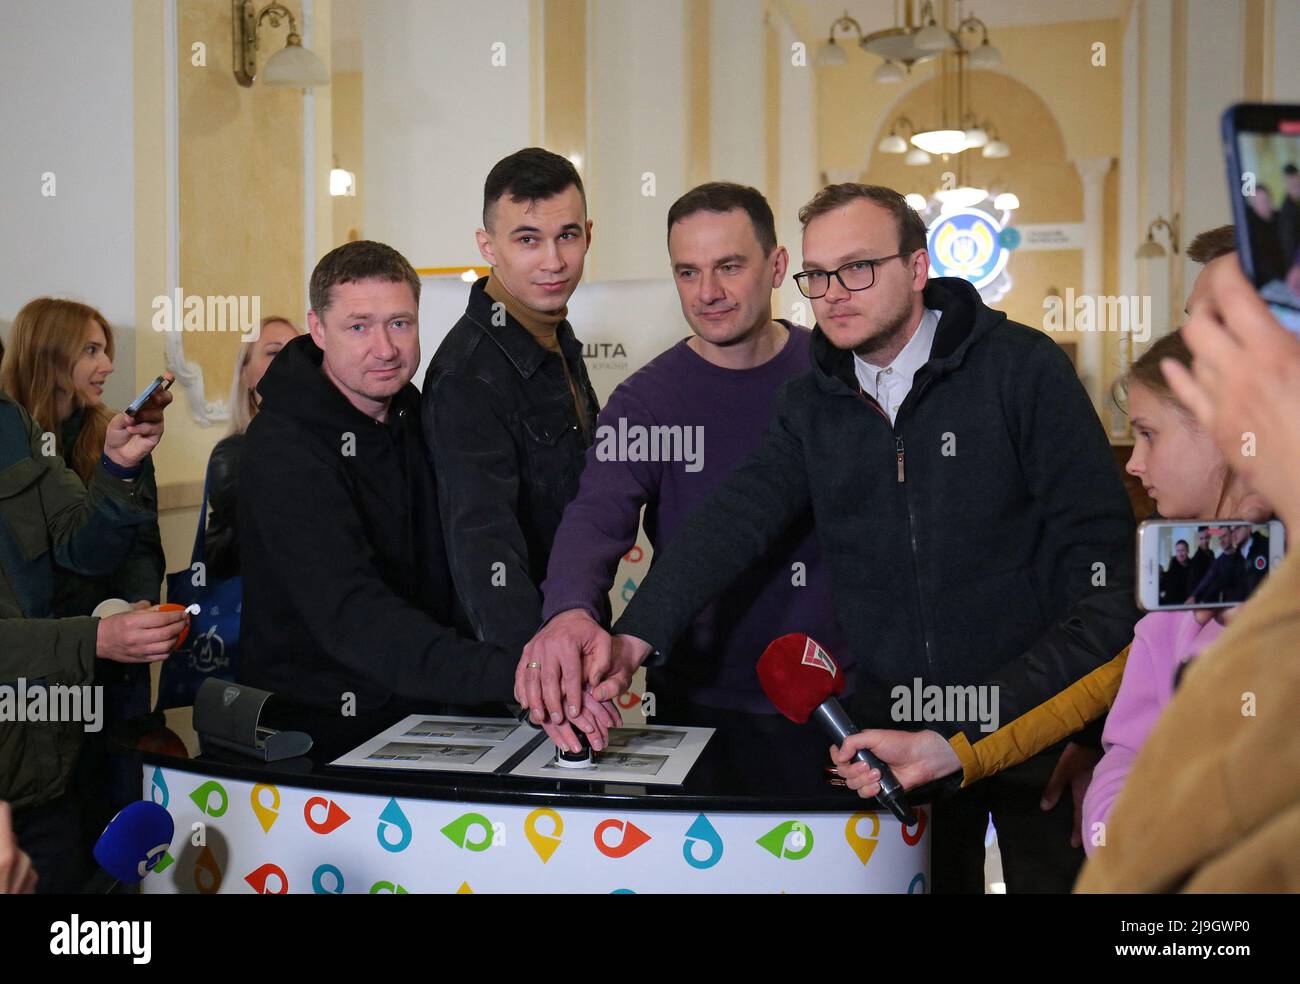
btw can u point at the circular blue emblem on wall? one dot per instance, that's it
(967, 244)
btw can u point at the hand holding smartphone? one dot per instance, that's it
(1186, 564)
(1262, 148)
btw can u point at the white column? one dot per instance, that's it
(1092, 344)
(737, 124)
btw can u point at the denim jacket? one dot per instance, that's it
(507, 447)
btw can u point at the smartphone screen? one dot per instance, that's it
(1264, 176)
(1207, 564)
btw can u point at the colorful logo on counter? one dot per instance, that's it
(392, 818)
(266, 815)
(967, 244)
(912, 839)
(318, 880)
(203, 798)
(544, 844)
(633, 837)
(158, 789)
(387, 888)
(260, 879)
(458, 831)
(917, 887)
(862, 846)
(792, 840)
(334, 815)
(207, 873)
(701, 831)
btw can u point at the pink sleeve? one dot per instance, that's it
(1138, 704)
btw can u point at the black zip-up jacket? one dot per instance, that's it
(346, 587)
(507, 448)
(984, 538)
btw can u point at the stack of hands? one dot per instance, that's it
(570, 674)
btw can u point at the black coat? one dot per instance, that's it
(221, 538)
(507, 447)
(346, 587)
(967, 544)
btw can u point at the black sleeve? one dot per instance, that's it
(222, 537)
(300, 523)
(477, 470)
(1070, 469)
(721, 539)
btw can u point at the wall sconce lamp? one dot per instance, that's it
(293, 65)
(1151, 249)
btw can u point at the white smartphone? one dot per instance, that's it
(1204, 563)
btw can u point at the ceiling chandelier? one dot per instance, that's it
(918, 39)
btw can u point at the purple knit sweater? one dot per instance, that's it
(723, 414)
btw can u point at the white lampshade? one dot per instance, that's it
(962, 197)
(940, 141)
(976, 136)
(916, 201)
(985, 56)
(1150, 250)
(892, 144)
(916, 156)
(888, 72)
(933, 38)
(296, 66)
(830, 54)
(1006, 202)
(996, 148)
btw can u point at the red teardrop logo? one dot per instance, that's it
(258, 878)
(633, 837)
(335, 816)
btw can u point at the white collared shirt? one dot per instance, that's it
(889, 385)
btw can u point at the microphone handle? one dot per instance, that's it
(833, 719)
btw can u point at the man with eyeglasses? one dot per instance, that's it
(976, 528)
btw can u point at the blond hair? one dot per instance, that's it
(243, 405)
(48, 337)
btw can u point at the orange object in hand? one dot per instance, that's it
(185, 631)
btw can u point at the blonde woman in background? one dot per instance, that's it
(223, 467)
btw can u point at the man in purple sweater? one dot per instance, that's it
(669, 436)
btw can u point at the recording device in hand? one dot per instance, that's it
(136, 405)
(802, 680)
(131, 846)
(1261, 143)
(1204, 563)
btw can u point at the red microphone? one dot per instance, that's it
(802, 680)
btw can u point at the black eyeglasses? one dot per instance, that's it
(854, 275)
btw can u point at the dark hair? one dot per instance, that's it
(727, 196)
(1290, 169)
(1184, 543)
(527, 175)
(1212, 243)
(911, 229)
(360, 260)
